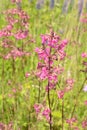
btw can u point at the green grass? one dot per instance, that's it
(19, 108)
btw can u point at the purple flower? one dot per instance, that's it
(65, 6)
(85, 88)
(52, 3)
(80, 6)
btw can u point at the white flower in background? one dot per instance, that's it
(85, 88)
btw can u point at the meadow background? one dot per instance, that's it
(20, 89)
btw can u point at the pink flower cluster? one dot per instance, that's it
(84, 124)
(68, 87)
(13, 1)
(46, 113)
(42, 111)
(52, 50)
(17, 28)
(69, 84)
(14, 53)
(38, 108)
(22, 20)
(84, 18)
(71, 121)
(60, 94)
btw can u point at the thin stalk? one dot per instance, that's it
(13, 66)
(49, 97)
(39, 93)
(22, 61)
(77, 96)
(3, 87)
(62, 114)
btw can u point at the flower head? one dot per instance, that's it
(85, 88)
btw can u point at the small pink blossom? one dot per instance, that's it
(69, 84)
(84, 124)
(37, 108)
(84, 55)
(61, 54)
(27, 75)
(14, 90)
(60, 94)
(21, 35)
(10, 95)
(85, 102)
(44, 39)
(71, 121)
(46, 113)
(51, 86)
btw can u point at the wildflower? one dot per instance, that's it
(85, 88)
(37, 108)
(27, 75)
(43, 73)
(60, 94)
(84, 124)
(14, 90)
(85, 102)
(70, 82)
(71, 121)
(84, 55)
(2, 126)
(21, 35)
(46, 113)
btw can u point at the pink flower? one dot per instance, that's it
(27, 75)
(13, 1)
(44, 39)
(61, 54)
(84, 124)
(85, 102)
(9, 27)
(10, 95)
(51, 86)
(63, 44)
(83, 20)
(1, 33)
(84, 55)
(70, 82)
(8, 56)
(71, 121)
(21, 35)
(53, 77)
(38, 108)
(69, 85)
(46, 114)
(43, 73)
(43, 54)
(60, 94)
(14, 90)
